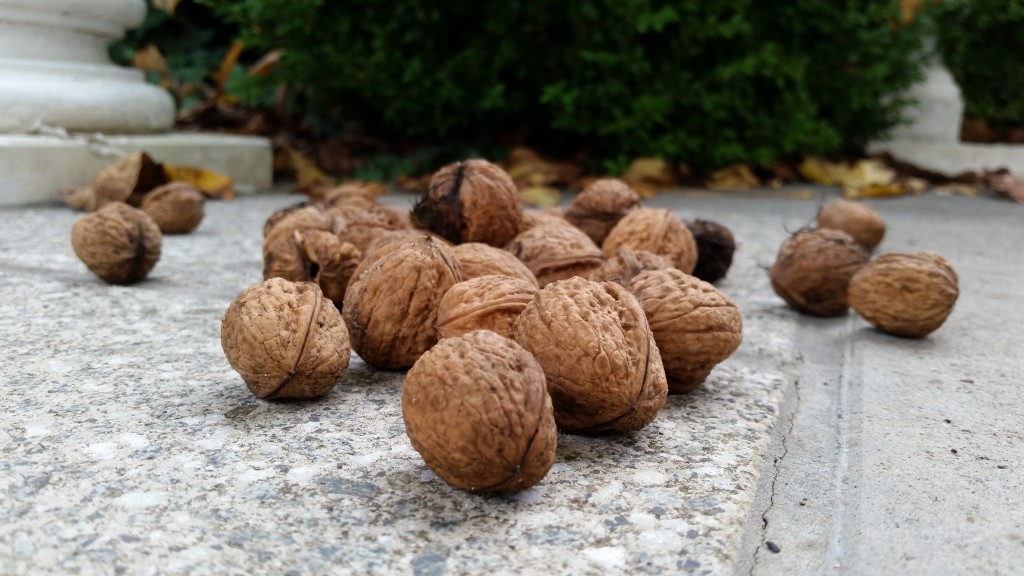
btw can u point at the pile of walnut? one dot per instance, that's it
(131, 204)
(827, 270)
(511, 324)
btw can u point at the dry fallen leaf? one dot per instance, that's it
(1005, 184)
(166, 5)
(211, 184)
(871, 179)
(958, 189)
(735, 177)
(528, 169)
(649, 173)
(307, 175)
(821, 171)
(150, 59)
(542, 196)
(265, 65)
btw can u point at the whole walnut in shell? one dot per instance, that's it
(600, 206)
(532, 218)
(285, 339)
(479, 259)
(905, 294)
(118, 243)
(813, 269)
(556, 252)
(390, 306)
(715, 248)
(363, 226)
(176, 207)
(471, 201)
(477, 409)
(483, 303)
(312, 216)
(856, 219)
(602, 365)
(626, 264)
(654, 230)
(694, 324)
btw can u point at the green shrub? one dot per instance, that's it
(982, 43)
(702, 81)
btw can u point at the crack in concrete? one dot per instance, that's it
(777, 465)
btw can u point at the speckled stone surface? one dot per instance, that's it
(131, 446)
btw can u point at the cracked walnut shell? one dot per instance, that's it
(477, 410)
(118, 243)
(483, 303)
(285, 339)
(813, 269)
(391, 303)
(694, 324)
(603, 368)
(654, 230)
(905, 294)
(471, 201)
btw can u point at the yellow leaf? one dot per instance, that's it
(542, 196)
(166, 5)
(307, 175)
(265, 65)
(874, 191)
(871, 178)
(211, 184)
(653, 171)
(228, 64)
(735, 177)
(821, 171)
(150, 59)
(958, 189)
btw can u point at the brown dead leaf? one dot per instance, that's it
(957, 189)
(212, 184)
(415, 184)
(127, 179)
(307, 175)
(650, 173)
(265, 66)
(735, 177)
(541, 196)
(909, 10)
(914, 185)
(821, 171)
(1004, 183)
(227, 65)
(528, 169)
(166, 5)
(149, 59)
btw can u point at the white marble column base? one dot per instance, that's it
(34, 168)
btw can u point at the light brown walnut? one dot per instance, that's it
(600, 206)
(477, 410)
(694, 324)
(603, 368)
(813, 269)
(654, 230)
(285, 339)
(626, 264)
(905, 294)
(118, 243)
(479, 259)
(556, 252)
(176, 207)
(483, 303)
(390, 306)
(856, 219)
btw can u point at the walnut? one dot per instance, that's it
(555, 252)
(310, 212)
(483, 303)
(362, 226)
(532, 218)
(813, 269)
(285, 339)
(694, 324)
(625, 264)
(279, 240)
(128, 179)
(905, 294)
(856, 219)
(384, 237)
(118, 243)
(603, 369)
(654, 230)
(715, 248)
(315, 256)
(390, 306)
(477, 410)
(479, 259)
(361, 194)
(600, 206)
(176, 207)
(471, 201)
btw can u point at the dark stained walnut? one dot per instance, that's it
(285, 339)
(715, 249)
(471, 201)
(477, 410)
(118, 243)
(813, 269)
(390, 306)
(603, 368)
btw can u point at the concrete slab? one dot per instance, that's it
(33, 168)
(954, 158)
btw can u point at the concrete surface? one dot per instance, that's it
(34, 168)
(130, 446)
